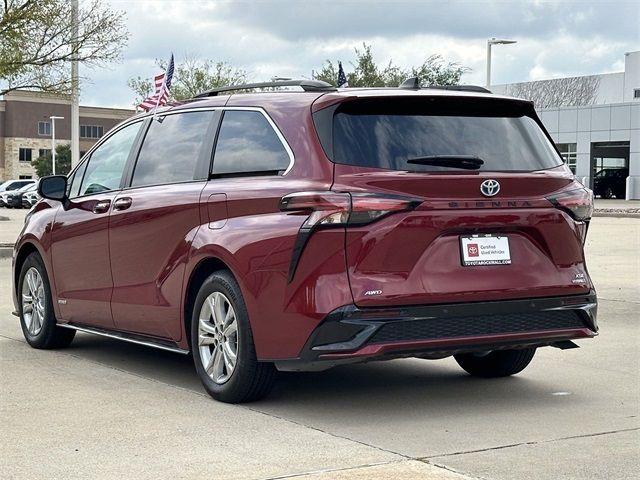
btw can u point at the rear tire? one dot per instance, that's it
(222, 344)
(608, 193)
(35, 307)
(500, 363)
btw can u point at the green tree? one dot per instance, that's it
(366, 73)
(38, 42)
(191, 76)
(43, 164)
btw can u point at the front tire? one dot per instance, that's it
(500, 363)
(222, 344)
(35, 305)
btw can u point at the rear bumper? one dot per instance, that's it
(351, 334)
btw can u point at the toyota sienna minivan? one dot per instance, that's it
(302, 230)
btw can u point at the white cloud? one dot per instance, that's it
(291, 38)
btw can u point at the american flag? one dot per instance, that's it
(162, 83)
(342, 78)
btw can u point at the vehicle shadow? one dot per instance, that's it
(383, 390)
(398, 390)
(156, 365)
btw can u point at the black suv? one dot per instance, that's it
(610, 182)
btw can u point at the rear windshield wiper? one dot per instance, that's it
(467, 162)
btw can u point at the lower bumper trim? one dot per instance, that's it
(351, 334)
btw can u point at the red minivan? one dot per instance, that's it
(301, 230)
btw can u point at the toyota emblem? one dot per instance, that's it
(489, 188)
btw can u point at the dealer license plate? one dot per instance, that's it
(485, 250)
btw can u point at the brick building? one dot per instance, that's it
(25, 128)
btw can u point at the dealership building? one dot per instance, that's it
(601, 135)
(25, 128)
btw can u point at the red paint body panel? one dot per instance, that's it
(414, 257)
(149, 246)
(256, 243)
(80, 259)
(37, 235)
(457, 186)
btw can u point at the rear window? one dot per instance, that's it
(387, 133)
(247, 143)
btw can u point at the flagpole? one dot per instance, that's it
(162, 88)
(75, 87)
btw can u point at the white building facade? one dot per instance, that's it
(604, 134)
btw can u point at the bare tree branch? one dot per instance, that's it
(38, 43)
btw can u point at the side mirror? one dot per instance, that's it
(53, 187)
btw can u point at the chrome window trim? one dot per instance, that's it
(143, 118)
(275, 128)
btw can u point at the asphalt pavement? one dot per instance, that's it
(104, 409)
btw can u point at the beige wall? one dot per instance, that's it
(13, 167)
(20, 112)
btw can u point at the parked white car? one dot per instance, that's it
(13, 198)
(29, 199)
(10, 185)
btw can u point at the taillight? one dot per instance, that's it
(324, 208)
(578, 203)
(338, 209)
(366, 208)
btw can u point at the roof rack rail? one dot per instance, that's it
(413, 83)
(306, 85)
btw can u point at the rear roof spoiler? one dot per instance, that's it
(413, 83)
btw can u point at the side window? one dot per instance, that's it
(172, 147)
(247, 143)
(76, 180)
(104, 168)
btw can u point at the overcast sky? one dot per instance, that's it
(290, 38)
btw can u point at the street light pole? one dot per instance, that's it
(490, 42)
(53, 141)
(75, 94)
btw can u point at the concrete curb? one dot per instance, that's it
(617, 212)
(6, 250)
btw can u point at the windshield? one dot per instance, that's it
(387, 134)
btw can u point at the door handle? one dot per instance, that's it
(101, 206)
(122, 203)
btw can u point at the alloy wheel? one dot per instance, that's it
(33, 301)
(218, 337)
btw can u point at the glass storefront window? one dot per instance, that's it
(568, 152)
